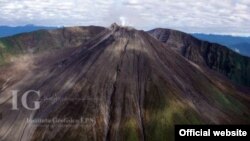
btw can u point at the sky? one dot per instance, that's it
(194, 16)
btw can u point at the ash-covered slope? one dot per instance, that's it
(128, 84)
(217, 57)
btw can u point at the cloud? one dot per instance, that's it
(207, 16)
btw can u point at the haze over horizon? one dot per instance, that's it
(228, 17)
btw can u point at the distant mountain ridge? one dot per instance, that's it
(9, 31)
(236, 43)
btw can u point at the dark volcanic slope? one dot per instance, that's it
(42, 40)
(129, 84)
(215, 56)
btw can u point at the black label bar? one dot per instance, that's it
(212, 132)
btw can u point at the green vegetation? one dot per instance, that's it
(9, 46)
(130, 130)
(164, 111)
(227, 102)
(7, 49)
(160, 124)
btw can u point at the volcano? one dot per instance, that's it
(122, 84)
